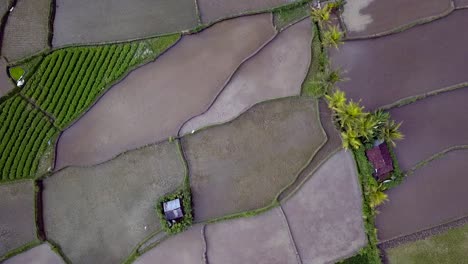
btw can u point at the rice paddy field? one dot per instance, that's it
(107, 107)
(380, 72)
(17, 226)
(91, 22)
(100, 213)
(252, 155)
(27, 29)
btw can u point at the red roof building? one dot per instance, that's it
(380, 158)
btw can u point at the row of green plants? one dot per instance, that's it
(24, 134)
(68, 81)
(359, 128)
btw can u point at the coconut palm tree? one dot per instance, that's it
(349, 115)
(332, 37)
(337, 100)
(391, 132)
(376, 196)
(350, 139)
(321, 14)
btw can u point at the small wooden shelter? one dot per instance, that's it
(173, 210)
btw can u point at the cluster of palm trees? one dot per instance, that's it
(332, 36)
(359, 127)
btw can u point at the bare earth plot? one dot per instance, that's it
(365, 18)
(152, 102)
(435, 194)
(461, 3)
(333, 145)
(17, 225)
(213, 10)
(243, 165)
(90, 21)
(5, 83)
(262, 239)
(99, 214)
(186, 247)
(422, 59)
(431, 125)
(276, 71)
(41, 254)
(325, 215)
(27, 29)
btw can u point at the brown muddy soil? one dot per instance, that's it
(41, 254)
(242, 165)
(184, 248)
(325, 215)
(213, 10)
(433, 195)
(262, 239)
(431, 125)
(90, 21)
(26, 30)
(99, 214)
(419, 60)
(278, 70)
(368, 17)
(17, 226)
(152, 102)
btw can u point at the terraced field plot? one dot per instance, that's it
(25, 133)
(27, 29)
(40, 254)
(365, 18)
(426, 199)
(255, 155)
(5, 83)
(260, 239)
(69, 81)
(276, 71)
(449, 247)
(99, 214)
(16, 215)
(431, 125)
(214, 10)
(384, 70)
(153, 102)
(325, 215)
(187, 248)
(89, 21)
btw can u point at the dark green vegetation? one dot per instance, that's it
(446, 248)
(16, 73)
(185, 197)
(28, 65)
(68, 81)
(288, 15)
(24, 133)
(370, 253)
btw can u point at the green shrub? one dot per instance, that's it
(185, 196)
(16, 72)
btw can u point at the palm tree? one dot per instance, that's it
(350, 139)
(349, 115)
(332, 37)
(391, 132)
(376, 196)
(368, 127)
(321, 14)
(337, 100)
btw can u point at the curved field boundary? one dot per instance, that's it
(228, 80)
(434, 157)
(412, 99)
(84, 74)
(275, 202)
(423, 234)
(407, 26)
(293, 242)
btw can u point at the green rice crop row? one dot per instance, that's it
(68, 81)
(24, 135)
